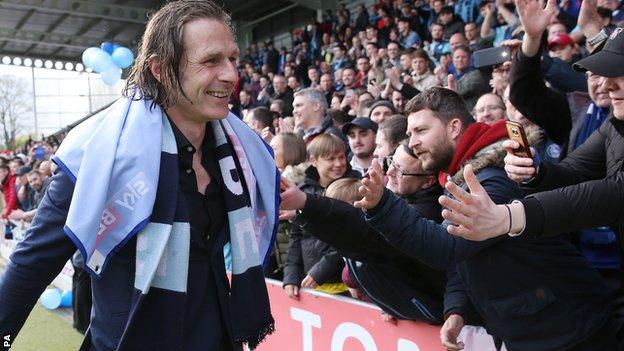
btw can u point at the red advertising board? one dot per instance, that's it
(320, 322)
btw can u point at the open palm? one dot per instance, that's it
(534, 16)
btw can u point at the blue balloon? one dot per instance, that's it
(108, 47)
(122, 57)
(51, 299)
(111, 76)
(66, 298)
(88, 55)
(101, 61)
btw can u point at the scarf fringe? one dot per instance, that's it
(254, 340)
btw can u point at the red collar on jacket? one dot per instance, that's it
(475, 137)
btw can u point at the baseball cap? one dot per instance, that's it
(560, 39)
(23, 170)
(608, 61)
(360, 122)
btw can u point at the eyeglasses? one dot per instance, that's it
(592, 76)
(488, 108)
(400, 173)
(501, 70)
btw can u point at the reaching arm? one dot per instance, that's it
(354, 238)
(585, 163)
(598, 200)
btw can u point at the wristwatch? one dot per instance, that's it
(598, 38)
(510, 233)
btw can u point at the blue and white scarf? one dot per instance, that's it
(115, 159)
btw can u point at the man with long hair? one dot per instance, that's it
(150, 192)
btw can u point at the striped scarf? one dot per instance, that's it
(115, 159)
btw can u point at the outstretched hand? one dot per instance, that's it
(474, 215)
(372, 187)
(292, 197)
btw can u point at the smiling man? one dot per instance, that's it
(361, 134)
(150, 191)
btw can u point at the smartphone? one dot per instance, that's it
(491, 56)
(516, 133)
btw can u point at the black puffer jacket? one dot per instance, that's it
(308, 255)
(588, 188)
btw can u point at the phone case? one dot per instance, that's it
(515, 131)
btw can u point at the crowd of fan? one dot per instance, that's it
(25, 176)
(341, 97)
(337, 100)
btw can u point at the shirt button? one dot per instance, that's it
(189, 171)
(190, 149)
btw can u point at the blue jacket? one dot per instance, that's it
(533, 294)
(41, 256)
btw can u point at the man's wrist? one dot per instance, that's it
(596, 39)
(518, 218)
(530, 45)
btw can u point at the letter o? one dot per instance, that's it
(347, 330)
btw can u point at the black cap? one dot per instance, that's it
(360, 122)
(23, 170)
(607, 62)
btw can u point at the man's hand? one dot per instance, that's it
(534, 16)
(287, 215)
(451, 82)
(309, 282)
(388, 318)
(374, 88)
(372, 187)
(283, 127)
(394, 77)
(450, 331)
(588, 20)
(267, 135)
(513, 44)
(17, 214)
(292, 197)
(519, 169)
(292, 291)
(474, 215)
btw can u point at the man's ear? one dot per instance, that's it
(454, 128)
(154, 66)
(431, 181)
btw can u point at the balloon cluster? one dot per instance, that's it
(108, 60)
(53, 298)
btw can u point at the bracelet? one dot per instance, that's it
(508, 211)
(598, 38)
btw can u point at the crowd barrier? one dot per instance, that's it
(322, 322)
(63, 281)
